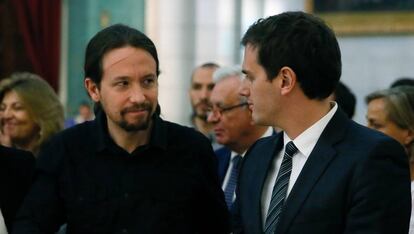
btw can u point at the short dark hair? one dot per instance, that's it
(208, 65)
(402, 81)
(113, 37)
(346, 99)
(302, 42)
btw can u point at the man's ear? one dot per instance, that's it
(288, 80)
(93, 89)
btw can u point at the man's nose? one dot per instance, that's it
(212, 117)
(136, 94)
(205, 93)
(244, 89)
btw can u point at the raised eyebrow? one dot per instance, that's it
(117, 78)
(150, 76)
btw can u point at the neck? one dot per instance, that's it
(203, 126)
(295, 123)
(129, 140)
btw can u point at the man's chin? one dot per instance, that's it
(135, 127)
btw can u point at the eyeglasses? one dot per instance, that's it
(221, 110)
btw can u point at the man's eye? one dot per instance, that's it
(149, 82)
(248, 78)
(196, 86)
(122, 83)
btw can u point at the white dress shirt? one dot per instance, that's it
(268, 132)
(305, 143)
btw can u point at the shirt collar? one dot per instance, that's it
(158, 133)
(234, 154)
(268, 132)
(307, 140)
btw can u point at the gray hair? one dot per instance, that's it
(224, 72)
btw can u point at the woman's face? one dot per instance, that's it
(16, 123)
(377, 118)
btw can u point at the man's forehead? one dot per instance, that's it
(203, 74)
(225, 92)
(119, 55)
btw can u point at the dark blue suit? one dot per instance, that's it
(223, 157)
(355, 180)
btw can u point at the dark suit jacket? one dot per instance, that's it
(355, 180)
(16, 169)
(223, 157)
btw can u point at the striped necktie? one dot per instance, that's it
(231, 184)
(280, 189)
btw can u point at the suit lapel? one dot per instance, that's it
(318, 161)
(263, 158)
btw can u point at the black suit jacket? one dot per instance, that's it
(355, 180)
(16, 169)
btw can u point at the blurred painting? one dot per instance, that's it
(362, 5)
(365, 17)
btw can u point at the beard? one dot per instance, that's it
(139, 125)
(199, 112)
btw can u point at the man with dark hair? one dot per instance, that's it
(402, 81)
(200, 90)
(344, 98)
(128, 171)
(323, 173)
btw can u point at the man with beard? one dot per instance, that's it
(200, 90)
(128, 171)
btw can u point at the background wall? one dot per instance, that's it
(190, 32)
(372, 63)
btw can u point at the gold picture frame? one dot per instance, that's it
(367, 23)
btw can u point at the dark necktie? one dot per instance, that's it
(231, 184)
(280, 189)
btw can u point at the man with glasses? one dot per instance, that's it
(233, 126)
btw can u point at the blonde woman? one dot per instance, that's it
(391, 111)
(30, 112)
